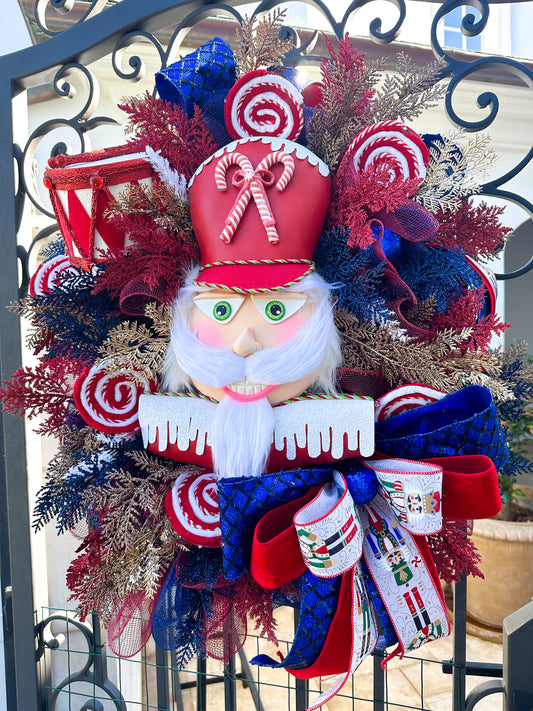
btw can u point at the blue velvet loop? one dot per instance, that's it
(207, 72)
(465, 422)
(244, 500)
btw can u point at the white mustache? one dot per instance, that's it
(218, 367)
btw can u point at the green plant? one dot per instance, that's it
(517, 415)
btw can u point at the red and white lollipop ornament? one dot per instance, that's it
(405, 152)
(47, 275)
(109, 403)
(192, 509)
(262, 103)
(405, 397)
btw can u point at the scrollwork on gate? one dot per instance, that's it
(93, 671)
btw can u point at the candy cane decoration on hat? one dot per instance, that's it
(252, 184)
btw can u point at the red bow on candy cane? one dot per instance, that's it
(251, 183)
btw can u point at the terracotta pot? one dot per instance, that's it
(507, 563)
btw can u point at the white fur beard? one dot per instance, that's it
(241, 437)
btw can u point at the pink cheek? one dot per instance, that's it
(284, 331)
(208, 332)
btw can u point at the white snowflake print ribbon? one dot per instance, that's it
(252, 183)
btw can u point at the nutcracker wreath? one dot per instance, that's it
(263, 341)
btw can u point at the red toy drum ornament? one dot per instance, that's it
(81, 188)
(257, 207)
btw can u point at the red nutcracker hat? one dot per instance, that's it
(257, 207)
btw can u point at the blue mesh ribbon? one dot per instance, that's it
(178, 618)
(465, 422)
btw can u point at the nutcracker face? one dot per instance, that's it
(247, 347)
(414, 503)
(250, 352)
(246, 325)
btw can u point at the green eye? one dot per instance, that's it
(219, 309)
(275, 310)
(222, 311)
(280, 309)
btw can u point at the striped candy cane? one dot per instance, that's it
(245, 173)
(252, 184)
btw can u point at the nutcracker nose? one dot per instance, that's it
(246, 343)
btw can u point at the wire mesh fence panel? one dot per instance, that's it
(78, 672)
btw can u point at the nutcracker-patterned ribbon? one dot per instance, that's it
(334, 534)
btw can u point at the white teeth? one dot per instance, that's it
(246, 387)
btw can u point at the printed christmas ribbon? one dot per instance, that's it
(329, 530)
(330, 527)
(334, 534)
(403, 578)
(413, 491)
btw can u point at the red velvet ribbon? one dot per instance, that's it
(470, 490)
(469, 486)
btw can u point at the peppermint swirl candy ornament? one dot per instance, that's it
(406, 153)
(47, 275)
(405, 397)
(262, 103)
(109, 403)
(192, 509)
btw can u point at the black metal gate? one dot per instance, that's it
(75, 34)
